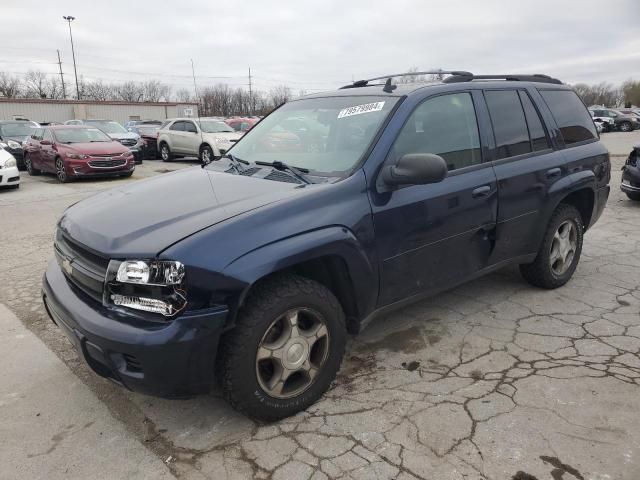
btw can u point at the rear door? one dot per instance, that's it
(526, 166)
(430, 237)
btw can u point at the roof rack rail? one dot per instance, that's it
(536, 77)
(364, 83)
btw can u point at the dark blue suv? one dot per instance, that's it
(334, 209)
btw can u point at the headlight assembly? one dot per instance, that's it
(13, 144)
(156, 286)
(10, 163)
(77, 156)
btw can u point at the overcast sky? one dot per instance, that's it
(319, 45)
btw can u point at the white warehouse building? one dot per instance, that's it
(42, 110)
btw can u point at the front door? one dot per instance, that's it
(430, 237)
(48, 152)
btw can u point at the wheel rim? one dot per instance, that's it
(625, 127)
(164, 152)
(291, 353)
(563, 247)
(60, 171)
(206, 155)
(27, 163)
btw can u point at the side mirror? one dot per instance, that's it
(416, 169)
(45, 142)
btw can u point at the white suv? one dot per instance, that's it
(205, 137)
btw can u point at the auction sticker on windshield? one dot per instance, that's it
(360, 109)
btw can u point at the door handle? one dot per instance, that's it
(554, 172)
(481, 191)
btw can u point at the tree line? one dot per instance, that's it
(217, 100)
(224, 100)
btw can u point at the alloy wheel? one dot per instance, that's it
(292, 352)
(164, 153)
(61, 173)
(27, 164)
(206, 155)
(563, 247)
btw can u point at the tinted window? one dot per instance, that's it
(444, 125)
(47, 136)
(177, 126)
(189, 127)
(536, 129)
(509, 125)
(38, 133)
(571, 115)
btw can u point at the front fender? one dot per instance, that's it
(330, 241)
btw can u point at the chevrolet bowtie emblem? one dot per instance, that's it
(66, 266)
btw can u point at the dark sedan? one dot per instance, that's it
(631, 175)
(12, 136)
(149, 135)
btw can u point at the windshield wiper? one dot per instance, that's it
(297, 172)
(236, 163)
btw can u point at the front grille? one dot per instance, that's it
(279, 176)
(128, 142)
(85, 269)
(104, 155)
(107, 163)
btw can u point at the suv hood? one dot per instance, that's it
(227, 135)
(142, 219)
(19, 138)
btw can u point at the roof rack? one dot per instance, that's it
(364, 83)
(455, 76)
(536, 77)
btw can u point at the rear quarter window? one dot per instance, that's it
(571, 115)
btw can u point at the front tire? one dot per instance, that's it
(206, 154)
(165, 153)
(29, 166)
(285, 349)
(635, 196)
(626, 127)
(560, 251)
(61, 171)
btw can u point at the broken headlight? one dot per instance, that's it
(155, 286)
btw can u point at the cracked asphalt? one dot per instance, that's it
(492, 380)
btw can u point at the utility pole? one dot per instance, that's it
(69, 19)
(250, 94)
(64, 91)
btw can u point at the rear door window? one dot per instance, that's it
(509, 124)
(571, 116)
(539, 140)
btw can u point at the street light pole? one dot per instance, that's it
(69, 19)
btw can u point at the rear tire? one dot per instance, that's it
(560, 251)
(29, 166)
(165, 152)
(635, 196)
(300, 325)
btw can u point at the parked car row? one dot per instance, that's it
(609, 119)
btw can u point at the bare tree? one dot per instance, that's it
(129, 92)
(601, 94)
(184, 95)
(9, 85)
(99, 91)
(279, 95)
(155, 91)
(631, 93)
(36, 84)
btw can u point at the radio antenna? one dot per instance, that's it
(195, 88)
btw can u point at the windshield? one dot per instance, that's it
(327, 135)
(81, 135)
(148, 130)
(213, 126)
(107, 126)
(22, 129)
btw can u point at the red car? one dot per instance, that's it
(75, 151)
(241, 124)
